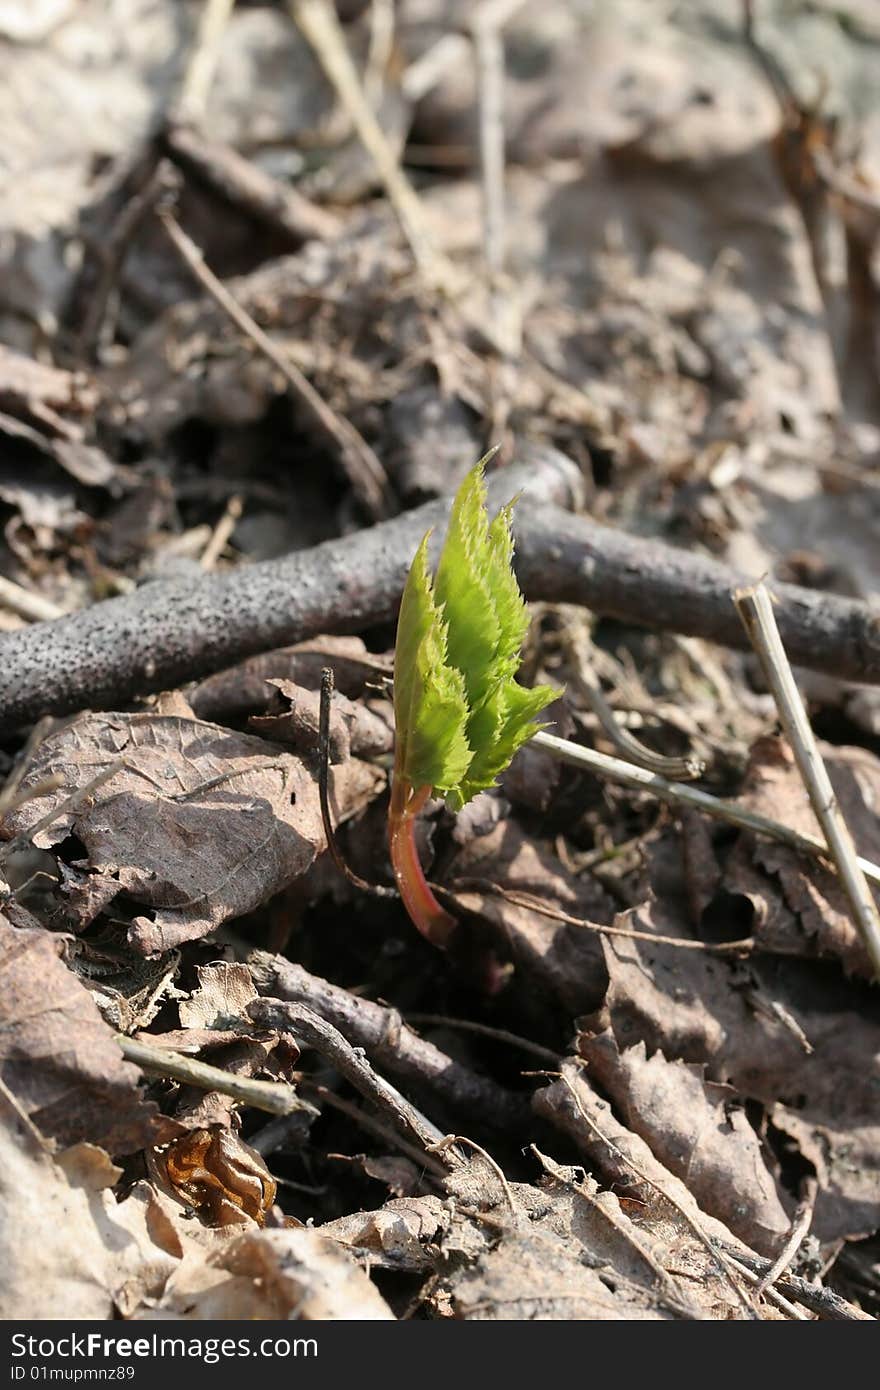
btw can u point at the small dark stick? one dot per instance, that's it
(378, 890)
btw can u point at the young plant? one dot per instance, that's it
(459, 713)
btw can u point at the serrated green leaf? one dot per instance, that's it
(502, 726)
(430, 705)
(464, 590)
(459, 713)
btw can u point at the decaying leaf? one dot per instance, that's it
(273, 1274)
(244, 689)
(198, 824)
(355, 728)
(224, 992)
(57, 1055)
(67, 1248)
(698, 1131)
(800, 907)
(748, 1027)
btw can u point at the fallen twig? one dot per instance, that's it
(825, 1303)
(221, 533)
(535, 904)
(391, 1045)
(486, 1031)
(571, 559)
(311, 1030)
(176, 630)
(679, 794)
(756, 611)
(319, 23)
(204, 57)
(115, 246)
(33, 607)
(245, 185)
(368, 479)
(489, 54)
(377, 890)
(273, 1096)
(800, 1225)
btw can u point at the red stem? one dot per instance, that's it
(418, 899)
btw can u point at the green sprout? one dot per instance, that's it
(459, 713)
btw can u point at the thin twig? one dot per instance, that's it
(380, 50)
(535, 904)
(393, 1046)
(9, 794)
(273, 1096)
(373, 1126)
(497, 1034)
(825, 1303)
(377, 890)
(678, 794)
(205, 55)
(489, 55)
(756, 611)
(62, 808)
(26, 603)
(319, 23)
(221, 533)
(365, 473)
(113, 250)
(800, 1225)
(771, 1294)
(247, 186)
(676, 769)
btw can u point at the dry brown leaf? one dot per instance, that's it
(699, 1007)
(199, 824)
(57, 1055)
(697, 1131)
(272, 1274)
(403, 1234)
(245, 689)
(819, 921)
(355, 728)
(67, 1248)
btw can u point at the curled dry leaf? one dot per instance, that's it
(197, 823)
(218, 1174)
(695, 1128)
(57, 1055)
(698, 1007)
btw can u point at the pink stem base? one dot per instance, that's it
(431, 919)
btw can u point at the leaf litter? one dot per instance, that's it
(550, 1121)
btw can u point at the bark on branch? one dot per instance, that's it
(172, 631)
